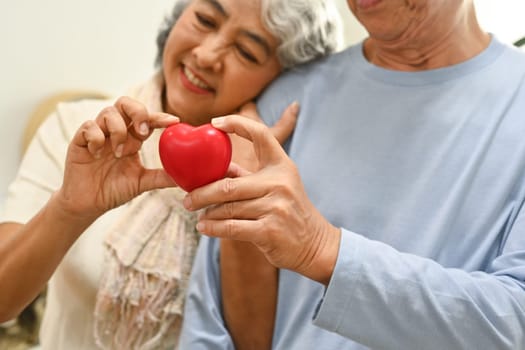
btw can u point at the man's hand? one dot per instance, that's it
(269, 208)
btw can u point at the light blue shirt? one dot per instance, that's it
(425, 174)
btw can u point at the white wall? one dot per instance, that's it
(505, 18)
(353, 31)
(52, 45)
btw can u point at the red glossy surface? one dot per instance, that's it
(194, 156)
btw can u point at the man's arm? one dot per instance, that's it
(386, 298)
(248, 281)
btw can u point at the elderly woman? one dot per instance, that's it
(91, 208)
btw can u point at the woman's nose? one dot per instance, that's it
(209, 53)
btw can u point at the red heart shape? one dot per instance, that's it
(194, 156)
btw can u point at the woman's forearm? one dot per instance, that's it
(30, 253)
(249, 294)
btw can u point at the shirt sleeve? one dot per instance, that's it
(386, 299)
(203, 326)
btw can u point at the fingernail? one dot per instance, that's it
(200, 227)
(295, 107)
(144, 129)
(187, 203)
(119, 150)
(217, 122)
(169, 116)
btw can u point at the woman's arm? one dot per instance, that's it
(100, 152)
(248, 281)
(249, 288)
(31, 252)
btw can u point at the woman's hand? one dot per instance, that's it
(269, 208)
(102, 171)
(103, 168)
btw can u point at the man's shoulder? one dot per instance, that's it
(511, 56)
(300, 81)
(308, 72)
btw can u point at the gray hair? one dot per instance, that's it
(306, 29)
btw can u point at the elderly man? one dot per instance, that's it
(396, 216)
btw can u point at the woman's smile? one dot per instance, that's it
(193, 82)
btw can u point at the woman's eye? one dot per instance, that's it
(247, 55)
(205, 21)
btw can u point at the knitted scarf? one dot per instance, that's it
(149, 254)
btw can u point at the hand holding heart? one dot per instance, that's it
(268, 208)
(197, 156)
(103, 169)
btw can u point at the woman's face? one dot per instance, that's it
(217, 57)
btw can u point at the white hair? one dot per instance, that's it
(306, 29)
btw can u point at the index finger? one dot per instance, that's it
(267, 148)
(136, 112)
